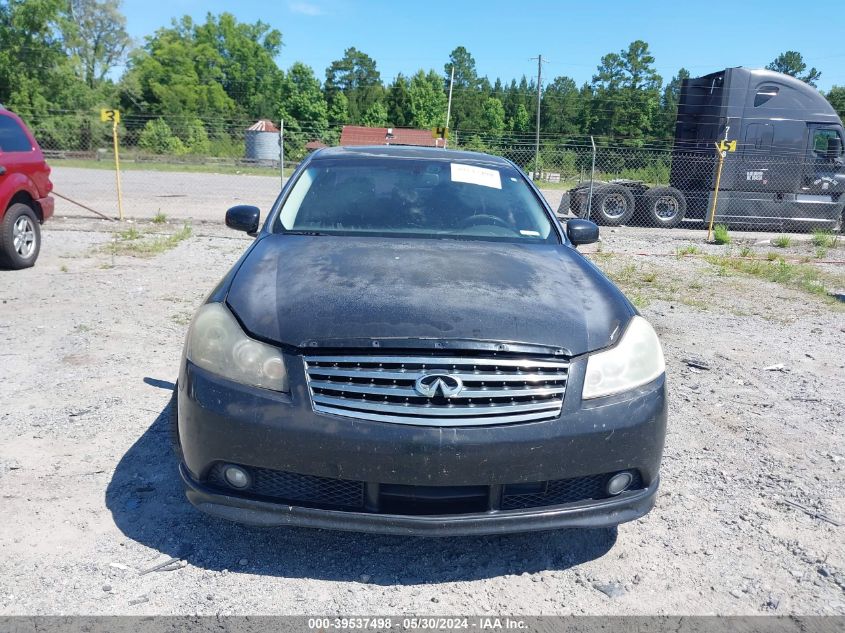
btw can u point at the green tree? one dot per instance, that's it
(303, 102)
(626, 94)
(356, 76)
(493, 116)
(607, 94)
(217, 70)
(427, 100)
(474, 143)
(521, 120)
(559, 107)
(338, 109)
(245, 56)
(587, 117)
(195, 138)
(177, 77)
(792, 63)
(158, 138)
(664, 127)
(36, 75)
(399, 102)
(375, 116)
(467, 95)
(95, 32)
(836, 97)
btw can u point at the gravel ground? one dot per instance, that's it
(90, 344)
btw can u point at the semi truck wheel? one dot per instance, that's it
(664, 207)
(612, 205)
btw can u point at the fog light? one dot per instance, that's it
(236, 477)
(619, 483)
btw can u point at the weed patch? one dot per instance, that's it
(823, 239)
(801, 276)
(150, 245)
(721, 235)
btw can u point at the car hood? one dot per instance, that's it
(340, 291)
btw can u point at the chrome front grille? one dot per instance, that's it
(388, 388)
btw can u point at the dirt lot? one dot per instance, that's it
(90, 342)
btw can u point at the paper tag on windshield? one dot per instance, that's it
(476, 176)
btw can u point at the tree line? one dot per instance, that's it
(191, 86)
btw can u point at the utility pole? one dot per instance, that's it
(539, 59)
(449, 106)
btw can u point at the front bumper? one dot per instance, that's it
(608, 513)
(223, 422)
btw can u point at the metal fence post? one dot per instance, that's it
(282, 151)
(592, 179)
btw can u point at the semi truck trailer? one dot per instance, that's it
(782, 168)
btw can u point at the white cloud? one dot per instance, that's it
(305, 8)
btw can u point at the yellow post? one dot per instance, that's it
(716, 191)
(117, 169)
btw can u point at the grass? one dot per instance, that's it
(746, 251)
(640, 301)
(823, 239)
(821, 252)
(625, 275)
(772, 256)
(130, 234)
(170, 167)
(689, 249)
(159, 218)
(721, 235)
(63, 268)
(801, 276)
(782, 241)
(150, 246)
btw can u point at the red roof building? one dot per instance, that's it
(359, 135)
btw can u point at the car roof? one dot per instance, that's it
(407, 151)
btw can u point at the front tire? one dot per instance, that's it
(173, 423)
(612, 205)
(664, 207)
(20, 237)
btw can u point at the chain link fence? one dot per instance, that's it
(611, 182)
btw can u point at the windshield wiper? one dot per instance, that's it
(304, 233)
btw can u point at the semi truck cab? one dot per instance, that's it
(787, 170)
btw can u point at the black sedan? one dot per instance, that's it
(413, 345)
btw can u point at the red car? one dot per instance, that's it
(24, 193)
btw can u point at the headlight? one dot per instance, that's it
(217, 343)
(636, 360)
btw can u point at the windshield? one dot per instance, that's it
(414, 197)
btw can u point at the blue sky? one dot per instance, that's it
(403, 36)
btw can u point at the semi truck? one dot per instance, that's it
(782, 160)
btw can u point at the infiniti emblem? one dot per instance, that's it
(448, 385)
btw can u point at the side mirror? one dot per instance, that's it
(582, 231)
(243, 217)
(834, 148)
